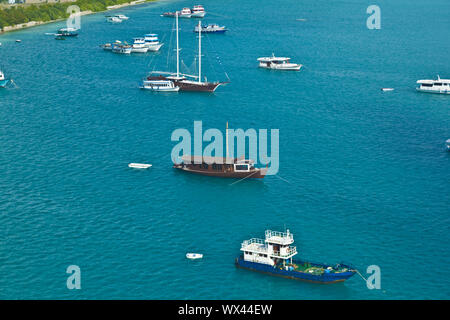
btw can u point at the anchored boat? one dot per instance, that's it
(122, 48)
(274, 255)
(198, 12)
(434, 86)
(152, 42)
(447, 144)
(220, 167)
(278, 63)
(68, 32)
(3, 80)
(160, 85)
(183, 81)
(139, 46)
(211, 28)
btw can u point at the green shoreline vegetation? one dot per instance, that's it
(47, 12)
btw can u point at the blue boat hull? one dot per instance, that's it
(323, 278)
(3, 83)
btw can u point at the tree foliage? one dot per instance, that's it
(47, 12)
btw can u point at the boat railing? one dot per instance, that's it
(270, 234)
(249, 242)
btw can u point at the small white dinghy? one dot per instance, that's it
(447, 144)
(387, 89)
(139, 165)
(194, 256)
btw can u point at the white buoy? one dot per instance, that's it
(194, 256)
(139, 165)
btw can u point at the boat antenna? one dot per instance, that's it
(178, 49)
(199, 52)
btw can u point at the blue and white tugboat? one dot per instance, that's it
(274, 255)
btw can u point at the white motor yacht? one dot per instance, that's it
(434, 86)
(139, 46)
(278, 63)
(160, 85)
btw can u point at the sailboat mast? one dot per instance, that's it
(199, 52)
(226, 137)
(178, 49)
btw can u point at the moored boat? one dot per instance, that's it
(114, 19)
(160, 85)
(184, 80)
(122, 48)
(139, 165)
(447, 144)
(211, 28)
(122, 16)
(139, 46)
(194, 256)
(274, 255)
(152, 42)
(220, 167)
(68, 32)
(434, 86)
(278, 63)
(198, 12)
(3, 80)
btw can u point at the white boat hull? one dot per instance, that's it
(442, 91)
(160, 89)
(284, 66)
(154, 47)
(139, 50)
(198, 15)
(139, 165)
(194, 256)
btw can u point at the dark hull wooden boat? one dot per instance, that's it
(221, 167)
(188, 85)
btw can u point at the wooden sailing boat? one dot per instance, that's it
(183, 80)
(224, 167)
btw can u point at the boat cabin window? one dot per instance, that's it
(427, 85)
(241, 167)
(438, 84)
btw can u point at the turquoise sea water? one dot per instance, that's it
(363, 174)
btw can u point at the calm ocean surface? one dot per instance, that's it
(363, 174)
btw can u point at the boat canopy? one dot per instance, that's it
(208, 160)
(439, 80)
(273, 59)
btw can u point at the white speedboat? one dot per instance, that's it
(278, 63)
(447, 144)
(434, 86)
(122, 48)
(139, 46)
(211, 28)
(198, 12)
(387, 89)
(160, 85)
(139, 165)
(122, 17)
(114, 19)
(194, 256)
(152, 42)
